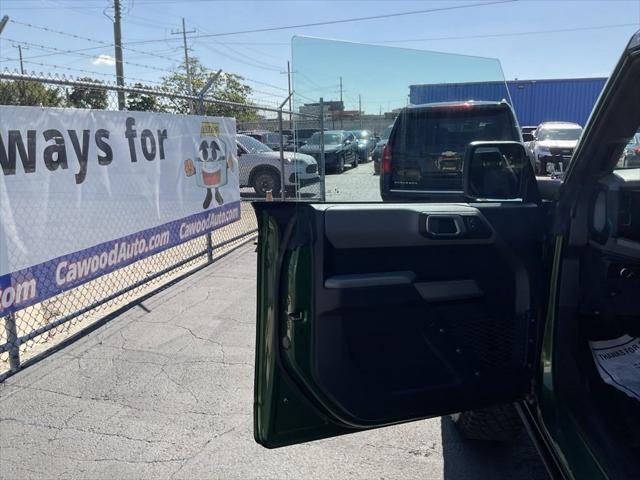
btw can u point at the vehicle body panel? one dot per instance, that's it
(299, 169)
(428, 142)
(336, 150)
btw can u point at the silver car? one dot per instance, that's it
(260, 167)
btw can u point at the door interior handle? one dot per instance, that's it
(445, 226)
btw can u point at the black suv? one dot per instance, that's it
(423, 157)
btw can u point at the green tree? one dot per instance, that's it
(21, 92)
(228, 87)
(143, 102)
(88, 97)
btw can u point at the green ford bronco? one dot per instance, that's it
(520, 307)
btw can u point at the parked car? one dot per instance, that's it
(260, 167)
(423, 156)
(520, 308)
(366, 142)
(270, 139)
(553, 145)
(527, 133)
(376, 155)
(297, 138)
(340, 148)
(631, 154)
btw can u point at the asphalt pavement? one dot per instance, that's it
(357, 184)
(165, 390)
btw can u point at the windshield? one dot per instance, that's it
(329, 138)
(386, 133)
(251, 145)
(436, 130)
(559, 134)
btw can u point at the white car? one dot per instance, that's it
(553, 146)
(260, 167)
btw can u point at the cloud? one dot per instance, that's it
(104, 60)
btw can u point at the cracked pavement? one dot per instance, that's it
(165, 391)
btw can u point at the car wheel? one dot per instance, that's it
(340, 166)
(354, 164)
(266, 180)
(496, 424)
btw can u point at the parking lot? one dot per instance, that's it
(165, 390)
(357, 184)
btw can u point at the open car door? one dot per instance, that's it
(370, 315)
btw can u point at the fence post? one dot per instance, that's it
(282, 176)
(12, 340)
(210, 247)
(201, 111)
(321, 166)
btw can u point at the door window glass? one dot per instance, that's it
(430, 105)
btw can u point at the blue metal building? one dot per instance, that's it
(534, 101)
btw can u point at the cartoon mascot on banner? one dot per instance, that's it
(212, 164)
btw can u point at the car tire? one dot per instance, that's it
(340, 165)
(494, 424)
(354, 164)
(265, 180)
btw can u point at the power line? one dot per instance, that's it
(258, 82)
(254, 62)
(81, 52)
(514, 34)
(339, 21)
(87, 39)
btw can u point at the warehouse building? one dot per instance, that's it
(534, 101)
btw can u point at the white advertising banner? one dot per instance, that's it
(85, 192)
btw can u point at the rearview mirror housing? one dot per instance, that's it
(498, 171)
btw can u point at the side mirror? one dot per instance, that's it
(527, 137)
(499, 171)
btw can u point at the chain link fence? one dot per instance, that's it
(264, 173)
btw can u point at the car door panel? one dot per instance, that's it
(381, 323)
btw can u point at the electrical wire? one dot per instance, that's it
(339, 21)
(88, 39)
(513, 34)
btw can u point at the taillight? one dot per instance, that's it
(386, 159)
(637, 150)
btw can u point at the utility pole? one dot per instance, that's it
(21, 85)
(186, 61)
(3, 22)
(117, 40)
(20, 55)
(341, 104)
(289, 81)
(360, 110)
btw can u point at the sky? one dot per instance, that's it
(532, 39)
